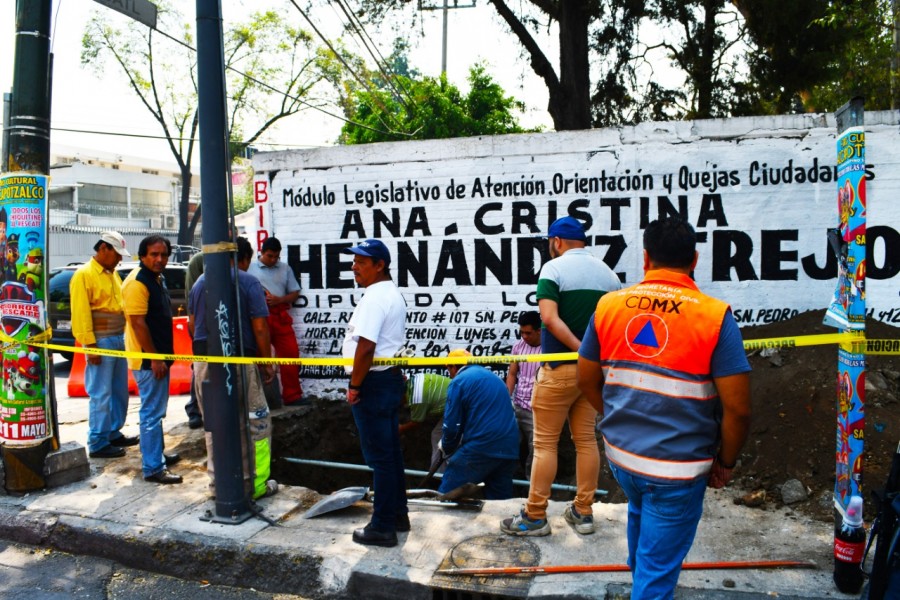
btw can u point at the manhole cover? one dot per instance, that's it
(489, 551)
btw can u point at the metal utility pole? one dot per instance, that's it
(222, 393)
(26, 424)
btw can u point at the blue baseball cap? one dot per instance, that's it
(567, 228)
(371, 248)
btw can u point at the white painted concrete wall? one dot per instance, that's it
(760, 191)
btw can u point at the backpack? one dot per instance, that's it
(884, 576)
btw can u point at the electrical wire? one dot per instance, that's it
(390, 131)
(163, 137)
(364, 83)
(390, 77)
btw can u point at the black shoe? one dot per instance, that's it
(123, 441)
(171, 459)
(164, 477)
(402, 525)
(108, 452)
(373, 537)
(195, 422)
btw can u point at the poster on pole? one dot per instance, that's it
(851, 386)
(24, 413)
(848, 312)
(848, 308)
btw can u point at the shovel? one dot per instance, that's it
(421, 497)
(336, 501)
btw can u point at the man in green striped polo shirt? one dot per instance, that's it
(568, 289)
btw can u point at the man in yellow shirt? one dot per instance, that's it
(98, 321)
(148, 330)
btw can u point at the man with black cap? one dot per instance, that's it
(98, 321)
(568, 289)
(377, 329)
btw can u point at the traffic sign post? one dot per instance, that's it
(142, 11)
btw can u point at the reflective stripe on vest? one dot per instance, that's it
(659, 384)
(654, 467)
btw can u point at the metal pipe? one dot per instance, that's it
(412, 472)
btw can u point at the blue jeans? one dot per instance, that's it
(662, 522)
(106, 385)
(154, 400)
(377, 421)
(496, 473)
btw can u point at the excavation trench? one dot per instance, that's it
(325, 431)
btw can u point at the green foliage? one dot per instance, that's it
(271, 70)
(862, 67)
(737, 57)
(788, 54)
(243, 193)
(430, 108)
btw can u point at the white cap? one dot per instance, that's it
(115, 239)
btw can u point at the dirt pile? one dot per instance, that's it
(793, 435)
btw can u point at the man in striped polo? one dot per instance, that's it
(568, 289)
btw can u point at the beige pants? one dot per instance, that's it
(556, 398)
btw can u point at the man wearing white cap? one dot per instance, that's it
(98, 321)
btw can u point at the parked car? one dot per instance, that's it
(182, 253)
(59, 312)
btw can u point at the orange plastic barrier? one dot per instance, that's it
(179, 372)
(76, 375)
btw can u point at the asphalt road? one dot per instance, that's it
(32, 573)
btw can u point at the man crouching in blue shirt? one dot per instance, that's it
(481, 436)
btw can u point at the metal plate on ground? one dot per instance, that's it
(489, 551)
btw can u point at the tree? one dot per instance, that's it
(866, 65)
(789, 55)
(601, 29)
(429, 108)
(270, 67)
(701, 37)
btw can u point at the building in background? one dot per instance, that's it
(92, 190)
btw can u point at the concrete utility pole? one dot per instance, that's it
(222, 392)
(26, 425)
(851, 187)
(445, 8)
(29, 123)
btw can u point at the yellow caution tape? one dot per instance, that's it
(853, 342)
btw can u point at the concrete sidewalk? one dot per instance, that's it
(115, 514)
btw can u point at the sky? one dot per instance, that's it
(81, 101)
